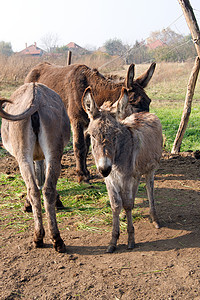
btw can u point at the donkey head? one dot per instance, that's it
(104, 129)
(135, 87)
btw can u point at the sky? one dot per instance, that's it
(89, 23)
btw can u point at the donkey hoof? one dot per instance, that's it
(131, 245)
(38, 244)
(60, 246)
(59, 204)
(84, 177)
(156, 224)
(27, 208)
(80, 178)
(111, 249)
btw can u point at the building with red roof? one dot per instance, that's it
(155, 44)
(32, 50)
(73, 45)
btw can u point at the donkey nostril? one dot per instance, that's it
(105, 171)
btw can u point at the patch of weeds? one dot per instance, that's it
(87, 207)
(69, 145)
(11, 194)
(83, 226)
(3, 152)
(142, 187)
(170, 117)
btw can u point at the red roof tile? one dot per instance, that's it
(154, 45)
(31, 50)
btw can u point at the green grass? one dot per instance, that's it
(170, 116)
(87, 207)
(12, 192)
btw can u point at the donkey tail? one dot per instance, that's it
(27, 113)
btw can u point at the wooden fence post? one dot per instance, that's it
(187, 107)
(194, 29)
(69, 56)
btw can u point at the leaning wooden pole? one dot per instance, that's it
(187, 107)
(194, 29)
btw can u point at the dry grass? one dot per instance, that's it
(169, 81)
(164, 72)
(13, 69)
(103, 61)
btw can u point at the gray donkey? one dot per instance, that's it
(40, 131)
(124, 149)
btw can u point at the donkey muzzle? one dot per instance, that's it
(104, 166)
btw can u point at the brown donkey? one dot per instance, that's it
(40, 131)
(70, 83)
(124, 150)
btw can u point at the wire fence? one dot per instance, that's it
(176, 47)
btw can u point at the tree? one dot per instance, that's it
(138, 53)
(6, 48)
(176, 48)
(62, 49)
(115, 47)
(49, 42)
(167, 36)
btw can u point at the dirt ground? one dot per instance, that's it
(164, 265)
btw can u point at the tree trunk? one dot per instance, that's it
(194, 29)
(187, 107)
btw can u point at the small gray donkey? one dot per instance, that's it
(124, 149)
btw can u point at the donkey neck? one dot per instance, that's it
(103, 89)
(124, 144)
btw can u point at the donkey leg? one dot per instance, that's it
(39, 177)
(130, 229)
(49, 194)
(115, 231)
(87, 143)
(27, 205)
(39, 167)
(80, 151)
(128, 204)
(33, 195)
(59, 204)
(116, 205)
(150, 193)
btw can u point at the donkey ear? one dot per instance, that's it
(144, 79)
(122, 104)
(88, 103)
(130, 76)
